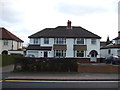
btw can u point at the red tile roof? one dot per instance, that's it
(111, 46)
(6, 35)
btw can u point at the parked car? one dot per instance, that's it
(30, 55)
(116, 60)
(113, 60)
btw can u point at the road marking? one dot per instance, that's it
(55, 81)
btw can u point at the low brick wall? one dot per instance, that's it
(98, 68)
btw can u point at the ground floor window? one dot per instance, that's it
(60, 53)
(118, 52)
(79, 53)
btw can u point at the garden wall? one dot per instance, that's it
(98, 68)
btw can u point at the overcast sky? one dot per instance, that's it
(25, 17)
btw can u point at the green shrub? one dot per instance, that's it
(8, 59)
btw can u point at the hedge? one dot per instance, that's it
(8, 59)
(45, 64)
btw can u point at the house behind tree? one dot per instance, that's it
(112, 49)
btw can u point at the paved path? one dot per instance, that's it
(61, 76)
(8, 68)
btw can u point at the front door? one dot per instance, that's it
(93, 57)
(45, 54)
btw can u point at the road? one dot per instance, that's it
(59, 84)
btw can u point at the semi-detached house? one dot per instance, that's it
(65, 42)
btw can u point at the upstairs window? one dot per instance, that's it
(36, 41)
(93, 41)
(80, 41)
(46, 40)
(5, 42)
(60, 41)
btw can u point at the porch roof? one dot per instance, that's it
(38, 47)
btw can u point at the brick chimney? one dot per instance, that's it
(69, 24)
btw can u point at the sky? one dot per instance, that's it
(26, 17)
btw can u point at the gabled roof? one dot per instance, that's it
(64, 32)
(6, 35)
(116, 38)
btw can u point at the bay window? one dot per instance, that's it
(59, 53)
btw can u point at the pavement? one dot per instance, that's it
(8, 68)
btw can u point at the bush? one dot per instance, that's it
(8, 59)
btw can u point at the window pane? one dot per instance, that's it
(93, 41)
(59, 40)
(46, 40)
(5, 42)
(36, 41)
(80, 53)
(80, 41)
(59, 53)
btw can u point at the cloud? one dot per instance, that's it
(79, 9)
(9, 14)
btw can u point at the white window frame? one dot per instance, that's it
(93, 41)
(60, 40)
(80, 41)
(78, 51)
(36, 41)
(46, 40)
(61, 53)
(5, 42)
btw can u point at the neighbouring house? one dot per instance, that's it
(102, 44)
(65, 42)
(112, 49)
(9, 43)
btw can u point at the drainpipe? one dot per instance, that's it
(12, 44)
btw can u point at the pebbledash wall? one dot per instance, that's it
(70, 48)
